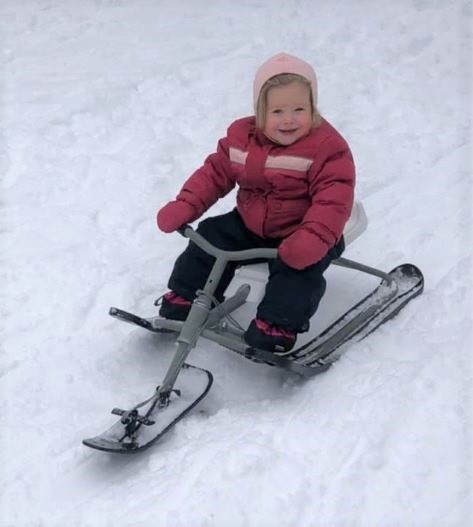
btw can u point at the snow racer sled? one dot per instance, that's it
(184, 386)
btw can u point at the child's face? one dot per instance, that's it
(288, 113)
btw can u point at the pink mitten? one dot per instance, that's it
(301, 249)
(174, 214)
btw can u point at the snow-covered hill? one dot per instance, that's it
(106, 107)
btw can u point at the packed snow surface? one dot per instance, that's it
(107, 106)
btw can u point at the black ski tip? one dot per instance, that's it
(105, 445)
(125, 316)
(411, 272)
(408, 269)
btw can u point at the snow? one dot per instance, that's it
(107, 107)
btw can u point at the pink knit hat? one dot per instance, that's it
(284, 63)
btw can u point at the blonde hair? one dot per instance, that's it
(282, 80)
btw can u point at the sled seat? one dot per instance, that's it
(357, 223)
(257, 274)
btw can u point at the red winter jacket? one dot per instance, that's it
(302, 192)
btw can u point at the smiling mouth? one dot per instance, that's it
(288, 131)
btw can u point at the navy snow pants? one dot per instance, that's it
(291, 296)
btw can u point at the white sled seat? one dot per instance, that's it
(257, 274)
(357, 223)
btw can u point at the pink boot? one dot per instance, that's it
(174, 307)
(260, 334)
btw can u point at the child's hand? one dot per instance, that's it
(174, 214)
(301, 249)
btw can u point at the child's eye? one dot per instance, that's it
(300, 109)
(276, 111)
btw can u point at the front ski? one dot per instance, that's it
(146, 422)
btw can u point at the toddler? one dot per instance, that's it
(295, 177)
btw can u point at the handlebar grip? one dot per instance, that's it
(183, 228)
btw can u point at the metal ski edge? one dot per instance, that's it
(272, 359)
(381, 318)
(389, 311)
(401, 301)
(319, 364)
(318, 340)
(398, 301)
(103, 444)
